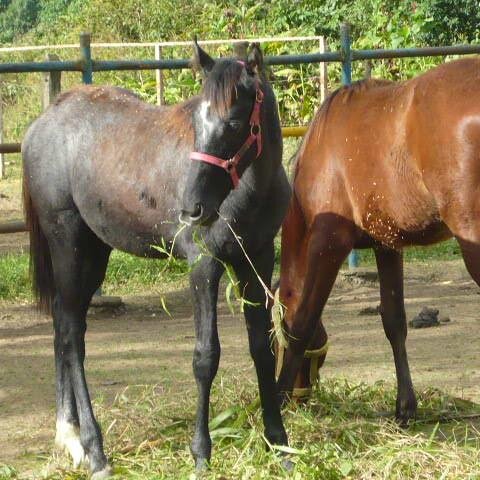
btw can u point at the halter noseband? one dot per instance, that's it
(230, 166)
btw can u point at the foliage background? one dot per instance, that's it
(386, 24)
(354, 442)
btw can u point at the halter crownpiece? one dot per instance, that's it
(230, 165)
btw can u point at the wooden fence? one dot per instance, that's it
(51, 87)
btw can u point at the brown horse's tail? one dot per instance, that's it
(41, 268)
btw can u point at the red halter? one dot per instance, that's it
(255, 136)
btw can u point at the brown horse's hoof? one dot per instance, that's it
(406, 412)
(405, 418)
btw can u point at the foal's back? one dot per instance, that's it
(117, 160)
(401, 160)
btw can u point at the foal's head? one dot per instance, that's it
(227, 132)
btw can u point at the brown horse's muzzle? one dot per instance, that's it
(308, 375)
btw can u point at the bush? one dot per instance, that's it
(451, 21)
(17, 17)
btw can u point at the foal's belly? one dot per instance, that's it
(133, 234)
(134, 220)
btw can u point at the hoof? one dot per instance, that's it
(67, 439)
(288, 465)
(406, 411)
(201, 465)
(107, 472)
(404, 418)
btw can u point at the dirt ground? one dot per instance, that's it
(142, 345)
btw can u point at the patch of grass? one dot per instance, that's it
(444, 251)
(126, 275)
(342, 433)
(7, 472)
(14, 278)
(129, 275)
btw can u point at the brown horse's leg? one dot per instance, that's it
(328, 242)
(471, 257)
(315, 356)
(390, 271)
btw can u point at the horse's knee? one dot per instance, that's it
(394, 325)
(68, 337)
(300, 335)
(205, 361)
(331, 235)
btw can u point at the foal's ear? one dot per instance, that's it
(255, 58)
(202, 60)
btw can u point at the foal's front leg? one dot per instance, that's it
(258, 319)
(204, 280)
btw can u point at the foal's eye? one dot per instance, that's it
(235, 124)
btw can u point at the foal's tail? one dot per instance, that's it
(40, 259)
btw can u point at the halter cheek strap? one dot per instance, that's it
(230, 165)
(282, 342)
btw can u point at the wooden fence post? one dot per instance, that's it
(322, 43)
(51, 83)
(2, 156)
(368, 69)
(240, 49)
(159, 77)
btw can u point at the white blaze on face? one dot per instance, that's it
(68, 439)
(206, 123)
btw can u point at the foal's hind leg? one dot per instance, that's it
(257, 316)
(79, 262)
(390, 271)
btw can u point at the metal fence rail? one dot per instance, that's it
(86, 63)
(87, 66)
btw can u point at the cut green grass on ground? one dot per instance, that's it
(346, 431)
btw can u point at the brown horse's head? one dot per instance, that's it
(226, 140)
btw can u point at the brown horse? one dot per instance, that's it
(384, 165)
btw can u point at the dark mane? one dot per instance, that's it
(220, 88)
(346, 92)
(98, 93)
(349, 90)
